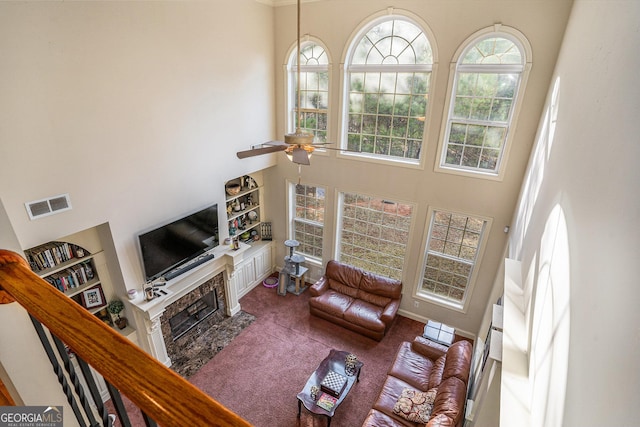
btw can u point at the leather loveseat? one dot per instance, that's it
(423, 365)
(356, 299)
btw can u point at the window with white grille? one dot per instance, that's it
(373, 233)
(387, 86)
(453, 247)
(307, 224)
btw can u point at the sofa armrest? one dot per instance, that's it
(428, 348)
(320, 287)
(390, 311)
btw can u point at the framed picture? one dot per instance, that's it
(93, 297)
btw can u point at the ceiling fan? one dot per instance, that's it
(297, 145)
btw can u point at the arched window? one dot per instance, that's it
(314, 89)
(387, 77)
(489, 75)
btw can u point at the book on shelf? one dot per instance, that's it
(51, 254)
(333, 383)
(71, 277)
(326, 401)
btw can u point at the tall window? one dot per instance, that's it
(453, 246)
(374, 233)
(387, 77)
(308, 218)
(314, 89)
(487, 81)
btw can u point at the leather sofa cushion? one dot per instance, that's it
(365, 314)
(457, 361)
(332, 302)
(450, 399)
(412, 367)
(380, 419)
(346, 289)
(391, 390)
(378, 300)
(436, 372)
(344, 278)
(428, 348)
(440, 420)
(380, 285)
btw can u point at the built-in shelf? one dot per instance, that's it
(244, 213)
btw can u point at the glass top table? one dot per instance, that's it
(335, 361)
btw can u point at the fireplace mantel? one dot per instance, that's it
(148, 313)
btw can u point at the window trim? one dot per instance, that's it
(521, 41)
(484, 238)
(343, 109)
(291, 205)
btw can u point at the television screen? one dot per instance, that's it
(167, 247)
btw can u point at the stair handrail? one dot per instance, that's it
(158, 391)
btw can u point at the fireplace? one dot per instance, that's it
(186, 321)
(194, 314)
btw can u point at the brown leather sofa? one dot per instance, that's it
(356, 299)
(422, 365)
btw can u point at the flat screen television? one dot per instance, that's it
(167, 247)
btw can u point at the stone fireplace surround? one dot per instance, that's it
(173, 344)
(149, 314)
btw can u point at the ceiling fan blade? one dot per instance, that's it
(276, 143)
(300, 156)
(259, 151)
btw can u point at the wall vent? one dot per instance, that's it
(49, 206)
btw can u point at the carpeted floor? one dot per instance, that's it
(259, 373)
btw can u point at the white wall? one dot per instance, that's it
(135, 109)
(583, 172)
(451, 22)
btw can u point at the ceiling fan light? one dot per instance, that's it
(299, 154)
(298, 138)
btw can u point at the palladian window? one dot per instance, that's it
(488, 79)
(314, 90)
(387, 85)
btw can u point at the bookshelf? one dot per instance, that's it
(70, 269)
(84, 267)
(243, 206)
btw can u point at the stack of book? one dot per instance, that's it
(51, 254)
(72, 277)
(326, 402)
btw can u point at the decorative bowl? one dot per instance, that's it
(232, 189)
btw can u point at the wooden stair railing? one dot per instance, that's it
(159, 392)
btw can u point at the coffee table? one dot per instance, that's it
(333, 362)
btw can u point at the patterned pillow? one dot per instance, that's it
(414, 405)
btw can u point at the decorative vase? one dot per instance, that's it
(314, 392)
(350, 363)
(121, 322)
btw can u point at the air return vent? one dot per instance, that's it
(39, 208)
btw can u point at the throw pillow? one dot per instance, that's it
(414, 405)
